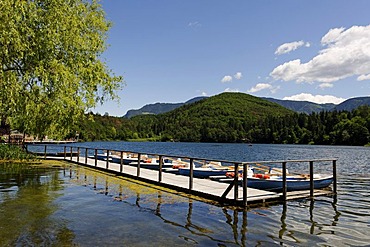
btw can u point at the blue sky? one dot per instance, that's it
(170, 51)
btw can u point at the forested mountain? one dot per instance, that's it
(236, 117)
(351, 104)
(226, 117)
(159, 108)
(310, 107)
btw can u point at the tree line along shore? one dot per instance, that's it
(235, 118)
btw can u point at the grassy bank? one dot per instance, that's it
(151, 139)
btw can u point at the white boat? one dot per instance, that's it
(203, 172)
(293, 182)
(116, 158)
(153, 163)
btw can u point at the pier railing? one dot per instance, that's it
(83, 155)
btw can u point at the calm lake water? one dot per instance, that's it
(75, 206)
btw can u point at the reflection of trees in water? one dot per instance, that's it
(26, 215)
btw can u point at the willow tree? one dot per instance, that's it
(52, 70)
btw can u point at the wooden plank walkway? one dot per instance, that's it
(205, 188)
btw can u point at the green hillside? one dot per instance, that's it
(227, 117)
(227, 106)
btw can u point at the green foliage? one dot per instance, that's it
(10, 152)
(51, 71)
(235, 117)
(104, 128)
(227, 117)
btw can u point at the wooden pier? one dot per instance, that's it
(233, 192)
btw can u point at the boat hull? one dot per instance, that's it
(293, 184)
(125, 160)
(202, 172)
(153, 166)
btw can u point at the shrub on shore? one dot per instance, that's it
(11, 152)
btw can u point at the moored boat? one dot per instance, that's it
(115, 158)
(126, 159)
(293, 182)
(153, 163)
(203, 172)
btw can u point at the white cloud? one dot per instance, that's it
(363, 77)
(319, 99)
(274, 89)
(326, 85)
(346, 53)
(332, 36)
(204, 94)
(288, 47)
(194, 24)
(231, 90)
(238, 75)
(259, 87)
(227, 78)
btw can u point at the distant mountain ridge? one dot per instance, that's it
(302, 106)
(158, 108)
(353, 103)
(297, 106)
(310, 107)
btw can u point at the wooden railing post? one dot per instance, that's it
(138, 165)
(44, 152)
(86, 154)
(335, 177)
(121, 164)
(285, 189)
(160, 168)
(107, 163)
(78, 154)
(236, 181)
(96, 157)
(191, 173)
(65, 152)
(71, 152)
(245, 182)
(311, 179)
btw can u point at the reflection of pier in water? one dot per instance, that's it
(116, 191)
(235, 218)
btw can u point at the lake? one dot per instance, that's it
(71, 205)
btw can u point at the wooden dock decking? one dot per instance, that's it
(206, 188)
